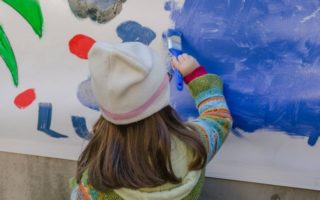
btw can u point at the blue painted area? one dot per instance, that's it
(80, 127)
(267, 53)
(44, 121)
(175, 49)
(85, 95)
(168, 5)
(313, 138)
(131, 31)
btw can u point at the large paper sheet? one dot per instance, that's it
(45, 103)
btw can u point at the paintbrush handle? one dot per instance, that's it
(177, 75)
(179, 79)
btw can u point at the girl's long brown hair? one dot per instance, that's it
(137, 155)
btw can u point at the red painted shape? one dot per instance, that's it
(80, 45)
(25, 98)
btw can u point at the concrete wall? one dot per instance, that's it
(25, 177)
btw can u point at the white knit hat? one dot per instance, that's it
(129, 81)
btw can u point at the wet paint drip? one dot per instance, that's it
(267, 53)
(30, 10)
(100, 11)
(44, 121)
(131, 31)
(313, 138)
(86, 97)
(25, 99)
(8, 56)
(80, 45)
(80, 127)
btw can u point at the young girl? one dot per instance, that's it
(140, 148)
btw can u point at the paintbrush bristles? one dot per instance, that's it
(174, 42)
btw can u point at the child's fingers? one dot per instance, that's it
(185, 56)
(181, 58)
(176, 64)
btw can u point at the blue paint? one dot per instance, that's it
(80, 127)
(313, 138)
(267, 53)
(168, 5)
(131, 31)
(44, 120)
(85, 95)
(175, 49)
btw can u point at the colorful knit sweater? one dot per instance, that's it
(213, 126)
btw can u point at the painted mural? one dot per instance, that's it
(98, 11)
(267, 53)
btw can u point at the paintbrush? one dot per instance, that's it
(174, 41)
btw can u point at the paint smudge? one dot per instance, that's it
(7, 55)
(131, 31)
(30, 10)
(85, 95)
(80, 45)
(25, 98)
(168, 5)
(100, 11)
(267, 53)
(80, 127)
(173, 5)
(44, 121)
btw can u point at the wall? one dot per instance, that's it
(25, 177)
(264, 156)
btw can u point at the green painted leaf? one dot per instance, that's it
(29, 10)
(7, 54)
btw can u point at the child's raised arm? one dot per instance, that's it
(215, 121)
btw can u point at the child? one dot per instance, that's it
(140, 149)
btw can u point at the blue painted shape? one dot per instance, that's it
(168, 5)
(85, 95)
(313, 138)
(267, 53)
(131, 31)
(80, 127)
(44, 120)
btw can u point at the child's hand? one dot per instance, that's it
(185, 64)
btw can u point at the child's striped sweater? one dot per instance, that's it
(213, 125)
(215, 121)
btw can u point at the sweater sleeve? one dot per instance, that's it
(215, 121)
